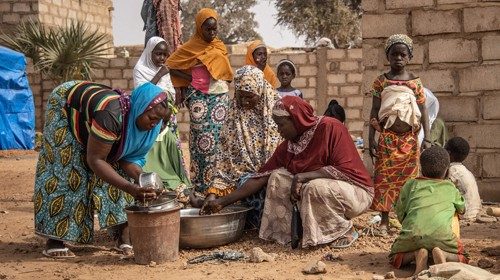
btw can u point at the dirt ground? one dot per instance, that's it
(21, 258)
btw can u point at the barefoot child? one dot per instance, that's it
(398, 111)
(464, 180)
(426, 208)
(286, 73)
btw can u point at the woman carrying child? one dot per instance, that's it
(426, 208)
(286, 73)
(257, 56)
(398, 112)
(165, 157)
(201, 68)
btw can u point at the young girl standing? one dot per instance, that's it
(286, 73)
(398, 110)
(165, 157)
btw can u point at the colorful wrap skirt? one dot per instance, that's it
(207, 113)
(396, 163)
(67, 192)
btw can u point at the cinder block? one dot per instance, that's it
(333, 91)
(435, 22)
(349, 90)
(481, 19)
(118, 62)
(491, 107)
(354, 78)
(299, 58)
(452, 50)
(489, 190)
(98, 73)
(132, 61)
(335, 54)
(355, 126)
(11, 18)
(21, 7)
(113, 73)
(299, 82)
(404, 4)
(469, 108)
(273, 59)
(479, 78)
(370, 5)
(491, 165)
(349, 66)
(367, 107)
(437, 80)
(308, 70)
(371, 55)
(128, 73)
(382, 26)
(352, 114)
(120, 83)
(480, 135)
(5, 7)
(312, 58)
(472, 162)
(238, 60)
(336, 78)
(105, 82)
(309, 93)
(355, 101)
(355, 53)
(312, 82)
(491, 47)
(453, 1)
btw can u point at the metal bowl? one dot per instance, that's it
(211, 230)
(150, 180)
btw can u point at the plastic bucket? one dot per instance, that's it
(154, 234)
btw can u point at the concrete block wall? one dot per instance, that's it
(457, 56)
(96, 14)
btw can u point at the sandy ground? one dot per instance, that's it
(21, 258)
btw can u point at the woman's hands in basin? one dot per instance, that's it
(211, 205)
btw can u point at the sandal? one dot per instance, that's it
(343, 242)
(125, 249)
(54, 253)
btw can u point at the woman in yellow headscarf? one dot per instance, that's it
(200, 68)
(257, 56)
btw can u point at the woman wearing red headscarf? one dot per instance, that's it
(317, 167)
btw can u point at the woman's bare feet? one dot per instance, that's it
(438, 256)
(421, 257)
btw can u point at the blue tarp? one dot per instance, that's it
(17, 110)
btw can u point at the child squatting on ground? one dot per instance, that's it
(398, 112)
(426, 209)
(464, 180)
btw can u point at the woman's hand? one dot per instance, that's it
(179, 97)
(143, 194)
(211, 205)
(296, 188)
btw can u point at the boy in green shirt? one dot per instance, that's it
(425, 208)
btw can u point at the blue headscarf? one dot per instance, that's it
(137, 142)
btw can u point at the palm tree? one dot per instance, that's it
(60, 53)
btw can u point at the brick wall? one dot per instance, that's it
(457, 56)
(322, 75)
(96, 14)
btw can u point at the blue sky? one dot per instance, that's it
(127, 25)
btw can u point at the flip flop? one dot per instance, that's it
(124, 248)
(50, 253)
(354, 235)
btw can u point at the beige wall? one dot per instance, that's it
(457, 56)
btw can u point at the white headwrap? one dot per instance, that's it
(145, 69)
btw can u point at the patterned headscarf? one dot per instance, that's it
(299, 110)
(248, 137)
(399, 39)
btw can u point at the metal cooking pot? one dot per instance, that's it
(150, 180)
(164, 202)
(212, 230)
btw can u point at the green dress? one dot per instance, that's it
(165, 158)
(425, 209)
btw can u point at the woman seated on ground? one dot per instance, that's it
(318, 167)
(95, 139)
(248, 139)
(165, 157)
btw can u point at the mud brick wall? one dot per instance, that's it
(457, 56)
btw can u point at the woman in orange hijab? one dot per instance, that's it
(200, 68)
(257, 56)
